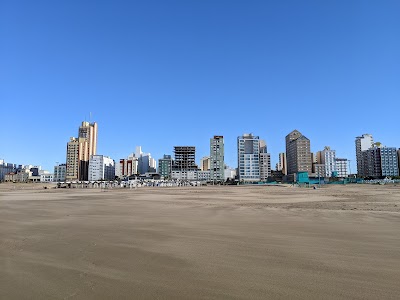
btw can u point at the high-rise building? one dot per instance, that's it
(313, 161)
(298, 153)
(165, 166)
(363, 143)
(248, 158)
(398, 159)
(72, 168)
(217, 158)
(265, 162)
(327, 157)
(184, 165)
(341, 167)
(380, 161)
(146, 163)
(282, 166)
(79, 151)
(205, 163)
(88, 133)
(101, 168)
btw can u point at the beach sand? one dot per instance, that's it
(261, 242)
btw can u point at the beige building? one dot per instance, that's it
(22, 175)
(72, 168)
(205, 163)
(79, 151)
(282, 165)
(265, 162)
(11, 177)
(298, 153)
(319, 170)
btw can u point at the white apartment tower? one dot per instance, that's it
(327, 157)
(248, 147)
(101, 168)
(341, 167)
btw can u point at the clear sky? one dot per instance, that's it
(164, 73)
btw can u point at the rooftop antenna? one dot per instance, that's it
(90, 117)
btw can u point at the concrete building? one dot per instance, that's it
(319, 170)
(298, 153)
(23, 175)
(362, 143)
(46, 177)
(36, 170)
(101, 168)
(205, 163)
(229, 173)
(146, 164)
(371, 166)
(60, 172)
(10, 177)
(127, 167)
(79, 151)
(152, 165)
(389, 161)
(248, 147)
(72, 165)
(380, 162)
(6, 168)
(327, 157)
(165, 166)
(204, 175)
(398, 159)
(88, 134)
(282, 165)
(184, 175)
(341, 167)
(184, 165)
(217, 163)
(313, 161)
(265, 162)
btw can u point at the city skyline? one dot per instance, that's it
(151, 74)
(350, 163)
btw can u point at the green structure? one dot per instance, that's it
(165, 166)
(302, 177)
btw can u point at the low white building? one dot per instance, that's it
(204, 175)
(184, 175)
(101, 168)
(229, 173)
(60, 172)
(47, 177)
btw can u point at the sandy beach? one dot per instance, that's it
(262, 242)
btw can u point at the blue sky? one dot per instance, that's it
(165, 73)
